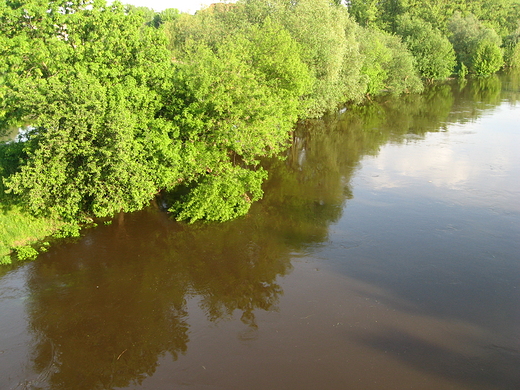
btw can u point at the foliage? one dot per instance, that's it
(330, 50)
(89, 97)
(433, 52)
(476, 46)
(388, 64)
(238, 97)
(242, 95)
(26, 252)
(125, 103)
(463, 71)
(471, 25)
(488, 58)
(512, 49)
(513, 59)
(323, 32)
(222, 196)
(501, 15)
(365, 12)
(18, 227)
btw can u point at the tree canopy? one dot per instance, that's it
(489, 25)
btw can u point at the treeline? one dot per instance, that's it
(125, 103)
(483, 34)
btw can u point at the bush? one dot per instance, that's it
(221, 196)
(26, 253)
(487, 59)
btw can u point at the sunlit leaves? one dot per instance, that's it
(92, 95)
(220, 196)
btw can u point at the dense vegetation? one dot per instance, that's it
(125, 104)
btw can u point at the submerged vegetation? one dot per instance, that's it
(126, 103)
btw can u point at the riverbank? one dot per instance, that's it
(23, 235)
(19, 231)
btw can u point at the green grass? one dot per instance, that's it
(20, 231)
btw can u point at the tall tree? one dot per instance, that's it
(90, 79)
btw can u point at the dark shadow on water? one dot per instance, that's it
(495, 367)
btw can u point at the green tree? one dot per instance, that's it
(116, 120)
(512, 49)
(433, 52)
(237, 98)
(365, 12)
(488, 58)
(90, 80)
(501, 15)
(326, 34)
(476, 46)
(388, 65)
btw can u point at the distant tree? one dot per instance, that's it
(433, 52)
(501, 15)
(147, 14)
(476, 46)
(488, 58)
(365, 12)
(388, 64)
(164, 16)
(326, 34)
(512, 49)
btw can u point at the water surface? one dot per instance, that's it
(384, 255)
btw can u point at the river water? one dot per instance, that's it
(384, 255)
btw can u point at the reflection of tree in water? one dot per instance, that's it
(307, 191)
(105, 309)
(476, 96)
(511, 86)
(231, 266)
(102, 317)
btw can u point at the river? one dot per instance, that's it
(384, 255)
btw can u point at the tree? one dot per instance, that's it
(238, 99)
(501, 15)
(488, 58)
(476, 46)
(115, 120)
(433, 52)
(90, 80)
(512, 49)
(388, 64)
(365, 12)
(326, 34)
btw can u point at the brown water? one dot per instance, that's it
(385, 255)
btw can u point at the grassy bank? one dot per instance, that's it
(23, 234)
